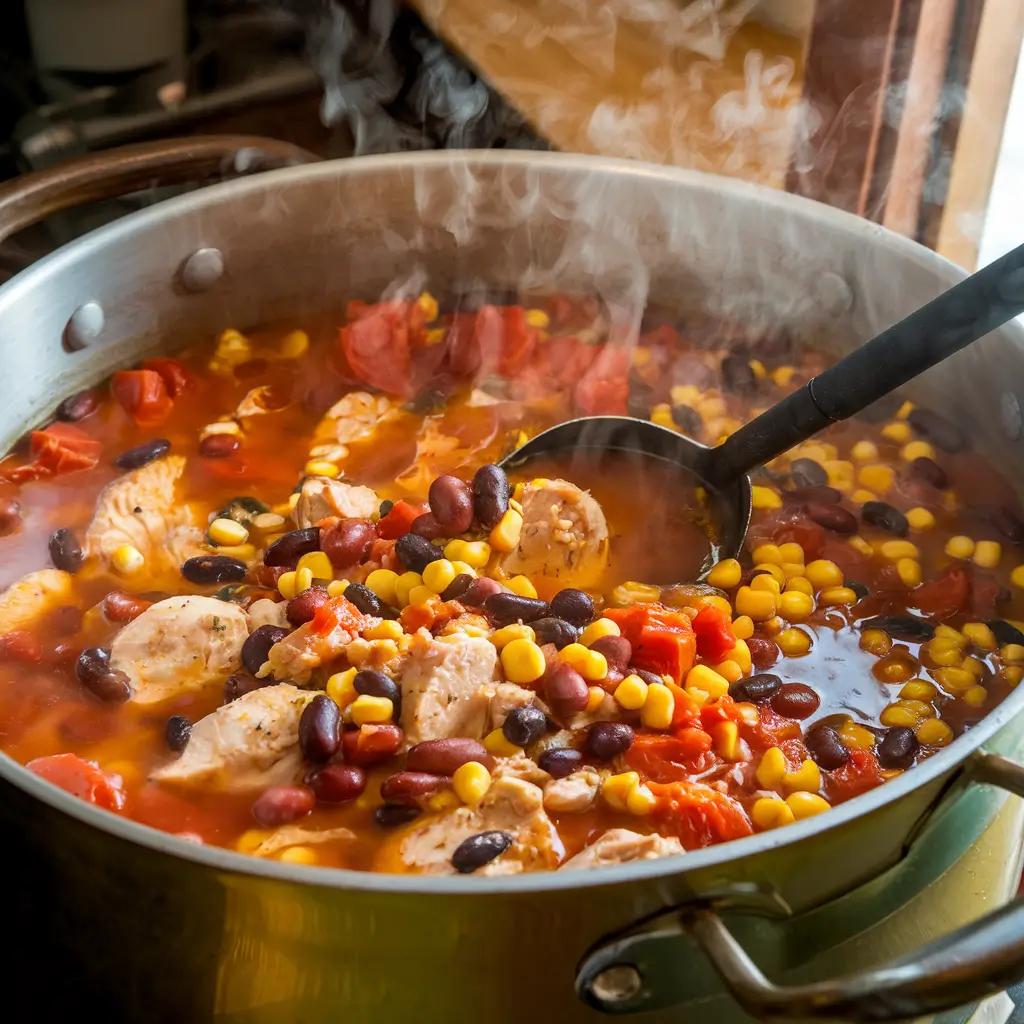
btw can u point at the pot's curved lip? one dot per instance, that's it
(233, 863)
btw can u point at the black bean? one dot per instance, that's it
(1005, 633)
(795, 700)
(860, 589)
(241, 683)
(94, 672)
(737, 375)
(650, 678)
(808, 473)
(755, 689)
(901, 627)
(65, 551)
(1009, 524)
(826, 748)
(320, 729)
(560, 761)
(177, 732)
(478, 850)
(820, 495)
(509, 607)
(573, 605)
(939, 431)
(479, 591)
(550, 630)
(256, 648)
(385, 507)
(363, 598)
(213, 569)
(457, 587)
(416, 553)
(688, 420)
(78, 406)
(451, 501)
(524, 726)
(491, 493)
(141, 454)
(287, 550)
(929, 471)
(392, 815)
(831, 517)
(376, 684)
(898, 747)
(885, 517)
(606, 740)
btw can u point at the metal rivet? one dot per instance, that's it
(1010, 415)
(202, 269)
(834, 294)
(616, 984)
(84, 326)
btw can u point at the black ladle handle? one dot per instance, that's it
(957, 318)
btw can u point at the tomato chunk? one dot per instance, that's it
(59, 449)
(857, 776)
(662, 639)
(376, 346)
(20, 645)
(143, 395)
(713, 631)
(944, 597)
(697, 814)
(661, 758)
(176, 378)
(338, 612)
(80, 778)
(370, 744)
(604, 390)
(398, 521)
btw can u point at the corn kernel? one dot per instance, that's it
(726, 574)
(959, 547)
(898, 432)
(919, 690)
(590, 664)
(659, 707)
(856, 737)
(293, 500)
(595, 698)
(597, 629)
(894, 550)
(384, 583)
(980, 635)
(739, 656)
(496, 744)
(438, 575)
(794, 643)
(250, 840)
(1012, 654)
(840, 474)
(729, 671)
(367, 710)
(905, 410)
(768, 813)
(227, 533)
(404, 586)
(876, 641)
(920, 519)
(243, 552)
(662, 416)
(791, 552)
(298, 855)
(1012, 674)
(421, 595)
(862, 497)
(640, 801)
(975, 696)
(837, 596)
(520, 585)
(934, 733)
(783, 376)
(864, 451)
(340, 687)
(806, 779)
(795, 606)
(806, 805)
(943, 652)
(909, 572)
(858, 543)
(954, 680)
(895, 715)
(756, 604)
(772, 769)
(766, 583)
(388, 629)
(770, 554)
(505, 536)
(616, 789)
(294, 344)
(878, 478)
(517, 631)
(772, 572)
(303, 579)
(127, 559)
(631, 693)
(822, 574)
(1017, 576)
(743, 627)
(286, 585)
(471, 781)
(318, 564)
(764, 498)
(320, 467)
(726, 739)
(800, 585)
(475, 553)
(758, 369)
(708, 680)
(987, 554)
(523, 661)
(917, 450)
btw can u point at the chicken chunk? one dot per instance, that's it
(180, 645)
(511, 805)
(304, 650)
(246, 745)
(564, 534)
(447, 687)
(295, 835)
(141, 508)
(33, 596)
(321, 497)
(573, 794)
(506, 697)
(519, 766)
(352, 418)
(265, 612)
(620, 846)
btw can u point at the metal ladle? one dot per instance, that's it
(957, 318)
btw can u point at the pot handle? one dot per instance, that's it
(117, 172)
(633, 971)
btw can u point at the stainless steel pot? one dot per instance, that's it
(146, 926)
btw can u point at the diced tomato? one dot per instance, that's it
(176, 378)
(722, 710)
(60, 448)
(662, 758)
(398, 521)
(423, 614)
(771, 731)
(371, 743)
(857, 776)
(714, 635)
(20, 645)
(569, 359)
(143, 395)
(518, 343)
(338, 612)
(697, 814)
(810, 536)
(944, 597)
(662, 639)
(686, 711)
(604, 390)
(376, 345)
(80, 778)
(463, 345)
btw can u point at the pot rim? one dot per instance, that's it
(231, 862)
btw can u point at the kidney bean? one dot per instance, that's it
(650, 678)
(756, 688)
(78, 406)
(336, 783)
(565, 689)
(121, 607)
(219, 446)
(457, 587)
(177, 732)
(94, 672)
(320, 729)
(20, 645)
(303, 606)
(142, 454)
(930, 472)
(213, 569)
(560, 761)
(525, 725)
(480, 591)
(348, 542)
(416, 553)
(1009, 524)
(508, 607)
(815, 495)
(897, 747)
(617, 651)
(451, 501)
(555, 631)
(606, 740)
(241, 683)
(370, 744)
(256, 648)
(443, 757)
(808, 473)
(65, 551)
(376, 684)
(1005, 633)
(411, 787)
(287, 550)
(10, 516)
(280, 805)
(478, 850)
(764, 652)
(737, 376)
(795, 700)
(573, 605)
(427, 526)
(902, 627)
(939, 431)
(393, 815)
(491, 492)
(687, 419)
(886, 517)
(831, 517)
(826, 748)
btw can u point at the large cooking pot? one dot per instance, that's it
(135, 924)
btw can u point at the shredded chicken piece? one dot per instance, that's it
(296, 657)
(620, 846)
(33, 596)
(353, 418)
(296, 835)
(573, 794)
(321, 498)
